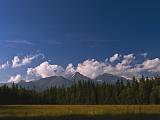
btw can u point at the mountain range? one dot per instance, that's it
(59, 81)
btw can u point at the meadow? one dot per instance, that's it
(78, 112)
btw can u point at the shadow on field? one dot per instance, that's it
(83, 117)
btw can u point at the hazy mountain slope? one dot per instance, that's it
(57, 81)
(60, 81)
(109, 78)
(45, 83)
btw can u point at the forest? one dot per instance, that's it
(137, 91)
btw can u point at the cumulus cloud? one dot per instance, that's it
(15, 79)
(91, 68)
(114, 57)
(17, 62)
(46, 70)
(4, 66)
(126, 67)
(150, 65)
(70, 70)
(127, 70)
(128, 59)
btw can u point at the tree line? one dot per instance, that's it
(138, 91)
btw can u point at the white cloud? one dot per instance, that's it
(128, 59)
(152, 65)
(46, 70)
(70, 70)
(126, 67)
(121, 67)
(15, 79)
(91, 68)
(125, 63)
(114, 57)
(19, 42)
(17, 62)
(4, 66)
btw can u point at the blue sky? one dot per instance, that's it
(71, 31)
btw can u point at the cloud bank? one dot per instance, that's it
(121, 65)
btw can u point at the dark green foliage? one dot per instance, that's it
(143, 91)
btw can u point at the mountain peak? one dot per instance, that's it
(77, 76)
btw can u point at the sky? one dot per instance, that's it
(38, 37)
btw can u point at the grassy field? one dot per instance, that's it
(78, 112)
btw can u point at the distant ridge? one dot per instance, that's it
(109, 78)
(59, 81)
(44, 83)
